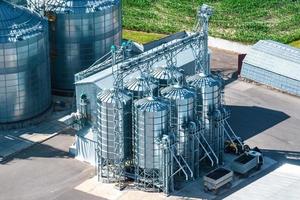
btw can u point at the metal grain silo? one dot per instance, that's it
(182, 101)
(166, 75)
(140, 86)
(151, 117)
(208, 89)
(25, 87)
(105, 124)
(81, 31)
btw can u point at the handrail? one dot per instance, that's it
(211, 150)
(206, 152)
(192, 174)
(226, 132)
(181, 167)
(242, 145)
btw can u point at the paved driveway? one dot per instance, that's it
(44, 171)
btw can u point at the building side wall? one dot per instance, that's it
(272, 79)
(91, 91)
(85, 150)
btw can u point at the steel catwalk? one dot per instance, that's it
(81, 31)
(25, 87)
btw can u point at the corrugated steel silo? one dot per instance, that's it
(25, 87)
(81, 31)
(105, 123)
(182, 101)
(151, 122)
(166, 75)
(208, 89)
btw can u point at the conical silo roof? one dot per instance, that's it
(75, 6)
(109, 96)
(177, 92)
(166, 73)
(18, 23)
(139, 84)
(200, 80)
(152, 104)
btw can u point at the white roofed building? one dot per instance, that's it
(274, 64)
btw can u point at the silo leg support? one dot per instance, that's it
(186, 164)
(226, 132)
(207, 152)
(233, 133)
(181, 168)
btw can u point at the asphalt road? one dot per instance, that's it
(45, 171)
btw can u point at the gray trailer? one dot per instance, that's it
(216, 179)
(246, 162)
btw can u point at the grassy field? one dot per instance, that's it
(141, 37)
(240, 20)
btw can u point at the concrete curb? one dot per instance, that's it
(228, 45)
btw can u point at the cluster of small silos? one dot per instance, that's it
(43, 46)
(166, 105)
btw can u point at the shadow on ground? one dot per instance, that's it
(42, 150)
(283, 157)
(248, 121)
(228, 75)
(291, 157)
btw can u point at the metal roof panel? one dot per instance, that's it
(275, 57)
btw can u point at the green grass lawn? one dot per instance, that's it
(240, 20)
(141, 37)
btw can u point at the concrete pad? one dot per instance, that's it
(282, 183)
(11, 144)
(192, 190)
(265, 118)
(108, 191)
(20, 146)
(228, 45)
(36, 137)
(93, 187)
(14, 141)
(7, 152)
(241, 86)
(138, 195)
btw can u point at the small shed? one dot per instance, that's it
(274, 64)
